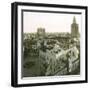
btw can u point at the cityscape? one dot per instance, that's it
(50, 53)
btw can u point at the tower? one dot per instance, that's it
(41, 38)
(74, 28)
(41, 33)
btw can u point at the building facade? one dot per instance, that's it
(41, 33)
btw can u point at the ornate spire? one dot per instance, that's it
(74, 28)
(74, 19)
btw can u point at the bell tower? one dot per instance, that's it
(74, 28)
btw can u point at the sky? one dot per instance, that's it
(52, 22)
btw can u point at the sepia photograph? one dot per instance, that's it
(49, 44)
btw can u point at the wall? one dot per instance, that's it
(5, 46)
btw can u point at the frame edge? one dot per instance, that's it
(14, 42)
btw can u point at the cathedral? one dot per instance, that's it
(59, 58)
